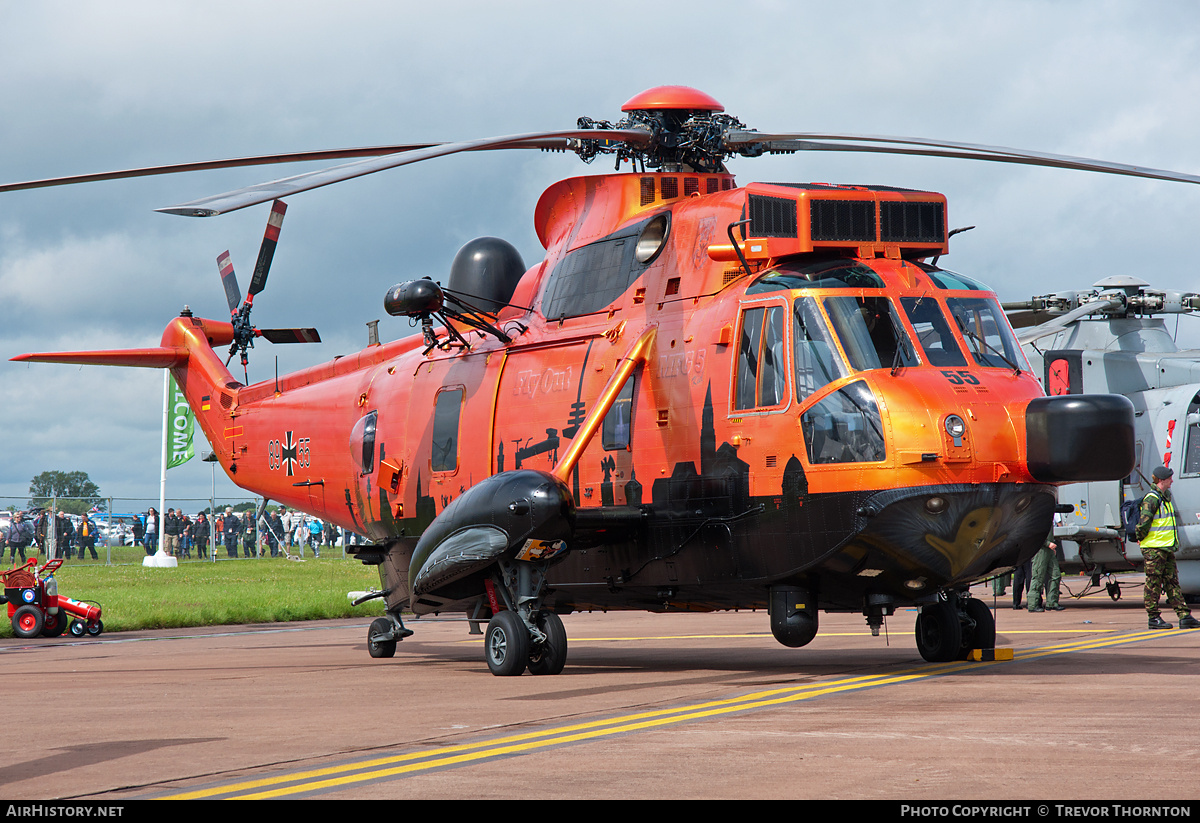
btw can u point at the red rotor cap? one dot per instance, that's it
(672, 98)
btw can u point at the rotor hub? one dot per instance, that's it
(686, 126)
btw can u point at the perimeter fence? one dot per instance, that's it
(116, 530)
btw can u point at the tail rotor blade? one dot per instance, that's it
(291, 335)
(267, 251)
(233, 295)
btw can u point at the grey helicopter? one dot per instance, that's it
(1114, 339)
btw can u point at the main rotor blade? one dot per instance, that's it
(290, 335)
(1028, 317)
(208, 165)
(1062, 321)
(806, 141)
(253, 195)
(266, 252)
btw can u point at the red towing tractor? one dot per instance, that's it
(36, 608)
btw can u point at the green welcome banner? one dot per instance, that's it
(182, 423)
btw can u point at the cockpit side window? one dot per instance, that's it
(870, 332)
(933, 332)
(814, 355)
(762, 369)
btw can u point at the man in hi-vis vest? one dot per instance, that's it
(1157, 532)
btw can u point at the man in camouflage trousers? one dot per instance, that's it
(1157, 532)
(1047, 578)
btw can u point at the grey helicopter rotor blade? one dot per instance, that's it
(1028, 317)
(208, 165)
(275, 189)
(745, 141)
(1062, 321)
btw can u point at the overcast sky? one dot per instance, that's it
(90, 86)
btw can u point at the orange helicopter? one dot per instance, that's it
(706, 396)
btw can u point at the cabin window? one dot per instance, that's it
(933, 332)
(590, 278)
(870, 332)
(615, 433)
(362, 442)
(814, 355)
(762, 372)
(844, 427)
(987, 333)
(446, 411)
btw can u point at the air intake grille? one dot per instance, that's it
(848, 220)
(670, 188)
(911, 222)
(647, 190)
(772, 216)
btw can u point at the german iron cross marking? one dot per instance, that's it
(289, 454)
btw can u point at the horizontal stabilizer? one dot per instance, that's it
(160, 357)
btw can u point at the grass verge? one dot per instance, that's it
(211, 594)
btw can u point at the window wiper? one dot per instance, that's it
(980, 342)
(902, 346)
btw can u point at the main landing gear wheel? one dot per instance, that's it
(27, 621)
(551, 655)
(377, 646)
(983, 636)
(939, 633)
(506, 645)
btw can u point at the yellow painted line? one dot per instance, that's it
(854, 682)
(1103, 642)
(1059, 631)
(344, 775)
(523, 744)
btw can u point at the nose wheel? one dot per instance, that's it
(939, 632)
(510, 647)
(549, 656)
(506, 645)
(523, 634)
